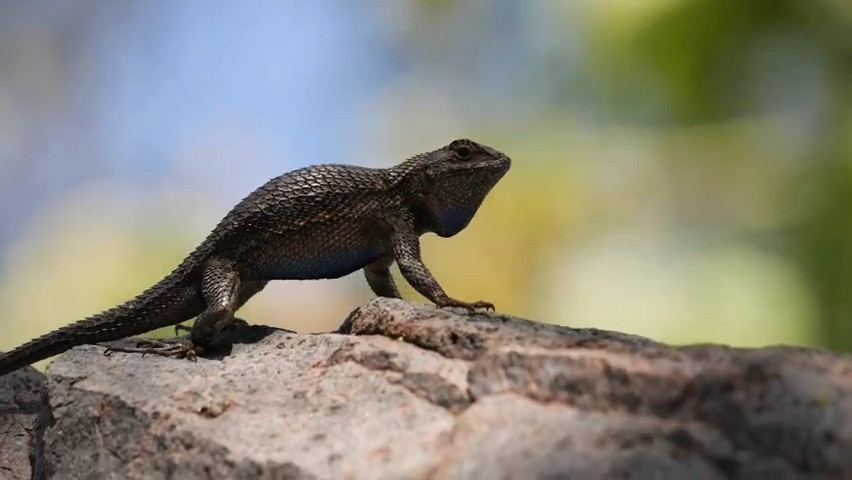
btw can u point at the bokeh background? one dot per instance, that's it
(682, 168)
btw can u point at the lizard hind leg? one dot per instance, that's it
(220, 288)
(247, 289)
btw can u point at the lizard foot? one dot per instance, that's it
(235, 323)
(469, 306)
(155, 347)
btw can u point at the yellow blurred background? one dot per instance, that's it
(682, 169)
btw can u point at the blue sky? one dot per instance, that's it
(291, 72)
(144, 84)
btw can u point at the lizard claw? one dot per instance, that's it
(471, 307)
(192, 355)
(156, 347)
(481, 304)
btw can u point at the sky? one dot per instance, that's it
(285, 79)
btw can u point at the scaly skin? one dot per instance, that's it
(324, 221)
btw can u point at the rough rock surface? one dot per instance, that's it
(21, 425)
(409, 391)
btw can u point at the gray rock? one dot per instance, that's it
(409, 391)
(22, 402)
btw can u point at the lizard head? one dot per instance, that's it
(452, 182)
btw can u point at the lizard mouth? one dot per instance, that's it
(498, 165)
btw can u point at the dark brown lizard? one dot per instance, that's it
(324, 221)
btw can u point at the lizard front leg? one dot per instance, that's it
(379, 278)
(406, 250)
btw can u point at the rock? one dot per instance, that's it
(410, 391)
(22, 402)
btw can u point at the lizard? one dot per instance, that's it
(318, 222)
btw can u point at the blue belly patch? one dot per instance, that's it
(316, 266)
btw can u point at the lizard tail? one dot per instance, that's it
(169, 302)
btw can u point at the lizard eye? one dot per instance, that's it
(463, 152)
